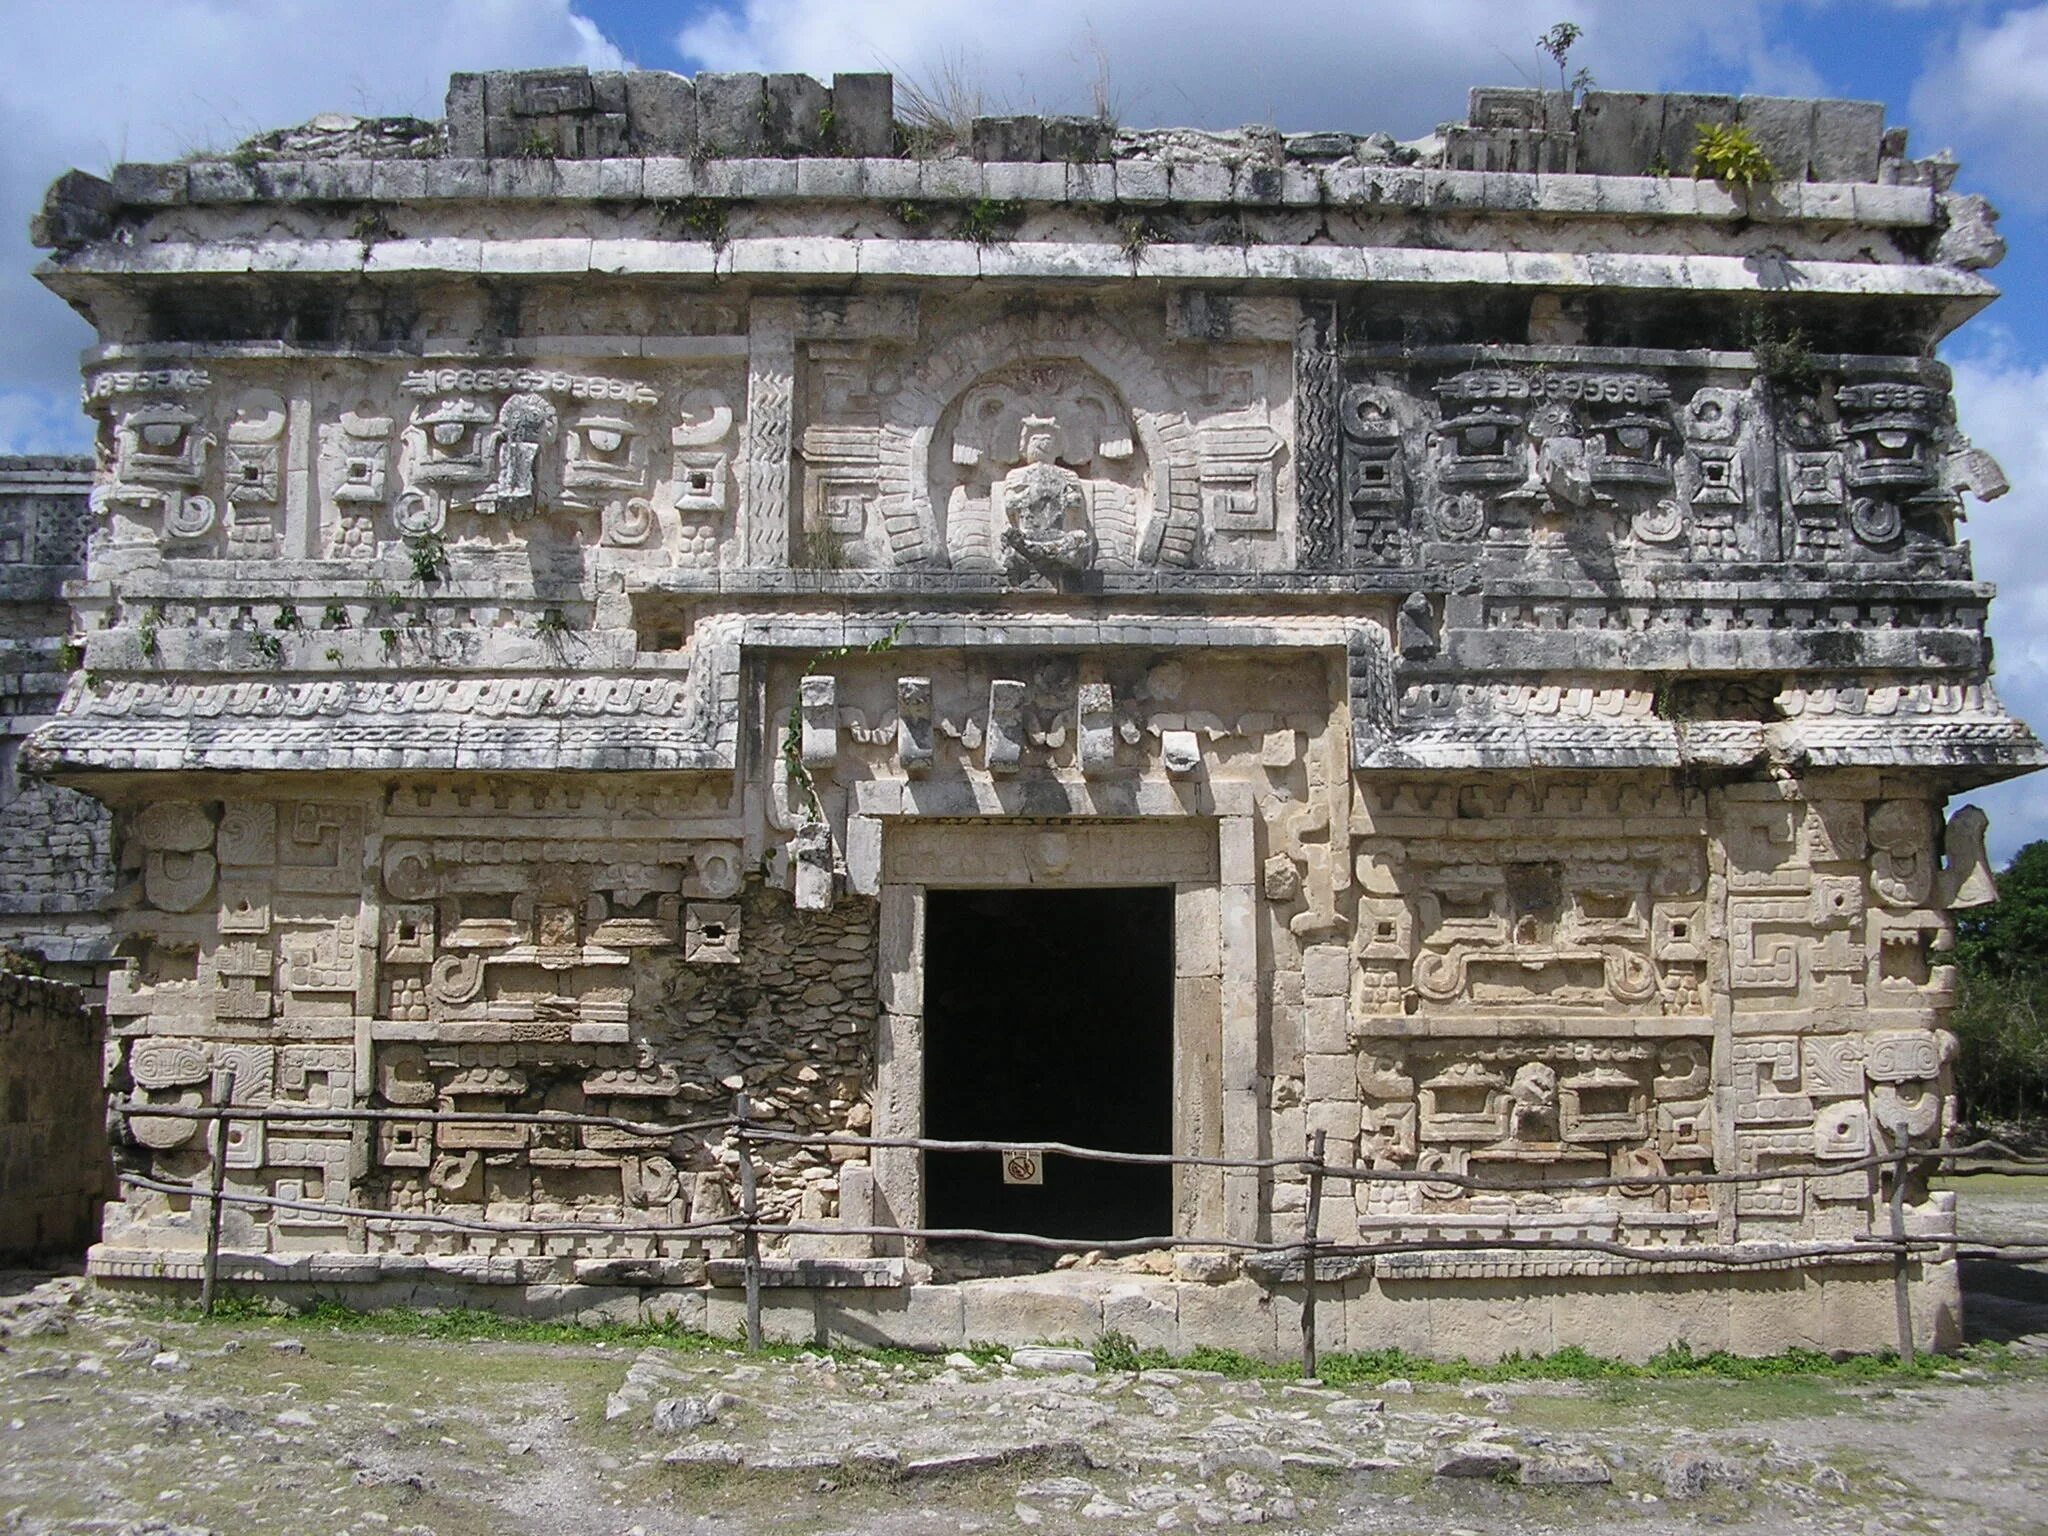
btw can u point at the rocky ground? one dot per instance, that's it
(141, 1422)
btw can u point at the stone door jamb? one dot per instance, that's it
(1197, 838)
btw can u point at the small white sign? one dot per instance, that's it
(1022, 1167)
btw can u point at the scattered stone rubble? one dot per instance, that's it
(249, 1436)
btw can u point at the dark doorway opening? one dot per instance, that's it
(1049, 1017)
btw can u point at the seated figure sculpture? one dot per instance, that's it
(1045, 505)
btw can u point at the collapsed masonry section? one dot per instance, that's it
(552, 626)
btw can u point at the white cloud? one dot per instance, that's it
(1998, 400)
(89, 85)
(43, 421)
(1987, 95)
(1399, 66)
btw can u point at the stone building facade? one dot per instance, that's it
(655, 588)
(55, 843)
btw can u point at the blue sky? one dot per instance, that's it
(91, 82)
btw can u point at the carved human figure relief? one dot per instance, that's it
(1045, 506)
(1043, 474)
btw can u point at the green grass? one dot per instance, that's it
(1118, 1352)
(452, 1323)
(474, 1324)
(1996, 1185)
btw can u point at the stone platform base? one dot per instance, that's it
(1837, 1306)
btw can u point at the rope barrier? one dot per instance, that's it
(748, 1226)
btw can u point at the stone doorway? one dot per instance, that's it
(1049, 1017)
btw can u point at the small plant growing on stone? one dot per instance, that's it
(1103, 96)
(1783, 356)
(1557, 45)
(828, 130)
(145, 633)
(1117, 1351)
(536, 146)
(372, 225)
(552, 629)
(793, 723)
(429, 558)
(822, 550)
(694, 218)
(389, 639)
(989, 220)
(913, 215)
(70, 655)
(1729, 154)
(268, 646)
(334, 617)
(287, 618)
(1135, 235)
(333, 654)
(935, 113)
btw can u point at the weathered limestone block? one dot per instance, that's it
(864, 115)
(732, 114)
(811, 852)
(1096, 707)
(914, 724)
(820, 725)
(1002, 746)
(796, 115)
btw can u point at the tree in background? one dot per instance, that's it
(2001, 1016)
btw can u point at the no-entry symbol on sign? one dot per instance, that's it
(1023, 1167)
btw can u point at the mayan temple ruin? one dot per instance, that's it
(656, 590)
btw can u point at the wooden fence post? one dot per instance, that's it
(1312, 1235)
(1902, 1288)
(223, 1096)
(750, 1237)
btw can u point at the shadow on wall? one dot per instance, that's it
(54, 1168)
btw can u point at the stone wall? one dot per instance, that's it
(53, 1147)
(772, 1003)
(513, 948)
(55, 856)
